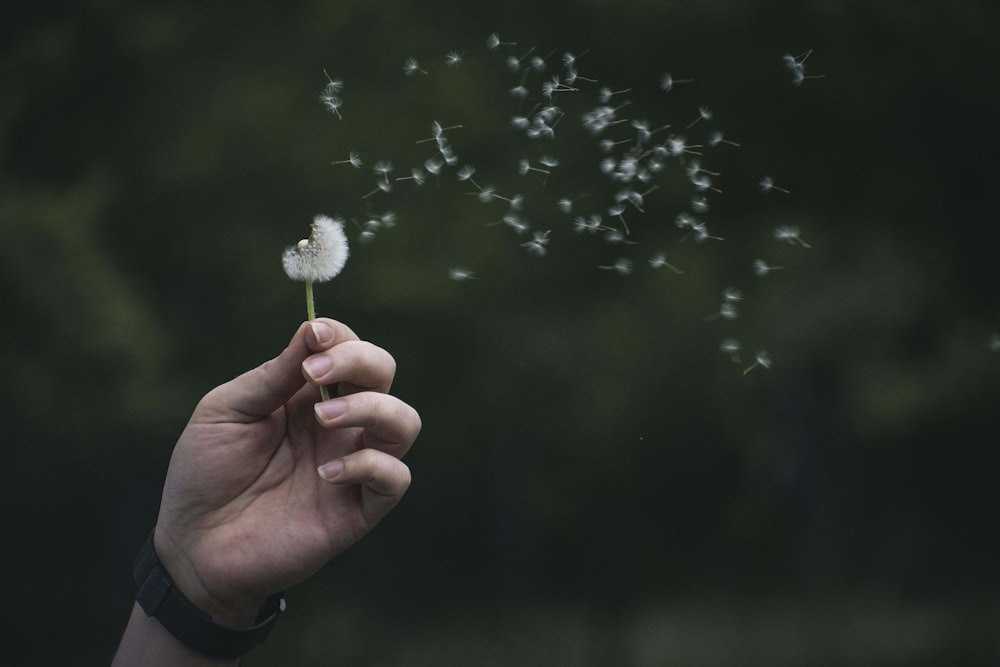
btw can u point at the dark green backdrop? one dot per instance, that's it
(596, 483)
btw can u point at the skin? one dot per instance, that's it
(266, 484)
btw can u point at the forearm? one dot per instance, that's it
(148, 643)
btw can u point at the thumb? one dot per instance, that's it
(262, 390)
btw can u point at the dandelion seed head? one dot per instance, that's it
(320, 257)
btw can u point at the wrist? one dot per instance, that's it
(230, 610)
(161, 599)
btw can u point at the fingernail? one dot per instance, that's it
(329, 471)
(322, 332)
(327, 411)
(317, 366)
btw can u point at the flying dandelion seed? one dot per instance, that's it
(762, 360)
(797, 66)
(731, 347)
(548, 107)
(766, 185)
(761, 268)
(790, 234)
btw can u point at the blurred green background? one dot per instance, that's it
(596, 483)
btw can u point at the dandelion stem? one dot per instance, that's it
(311, 315)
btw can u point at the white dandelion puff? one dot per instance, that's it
(320, 257)
(493, 42)
(353, 159)
(704, 113)
(731, 346)
(762, 360)
(317, 259)
(538, 245)
(766, 185)
(659, 260)
(797, 66)
(762, 268)
(790, 234)
(667, 82)
(411, 67)
(621, 266)
(718, 137)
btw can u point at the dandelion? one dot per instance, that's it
(621, 266)
(493, 42)
(617, 210)
(797, 66)
(667, 82)
(659, 260)
(789, 234)
(330, 97)
(718, 137)
(761, 268)
(433, 165)
(704, 113)
(538, 245)
(728, 309)
(353, 159)
(411, 67)
(459, 274)
(317, 259)
(615, 236)
(605, 94)
(383, 169)
(678, 146)
(514, 63)
(590, 224)
(766, 185)
(417, 175)
(731, 346)
(465, 174)
(762, 360)
(454, 58)
(515, 222)
(524, 166)
(555, 85)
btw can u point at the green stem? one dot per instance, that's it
(311, 314)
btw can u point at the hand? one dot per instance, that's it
(267, 483)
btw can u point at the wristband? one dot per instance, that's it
(161, 600)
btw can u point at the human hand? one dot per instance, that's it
(266, 484)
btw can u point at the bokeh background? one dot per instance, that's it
(596, 483)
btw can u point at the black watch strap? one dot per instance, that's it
(161, 600)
